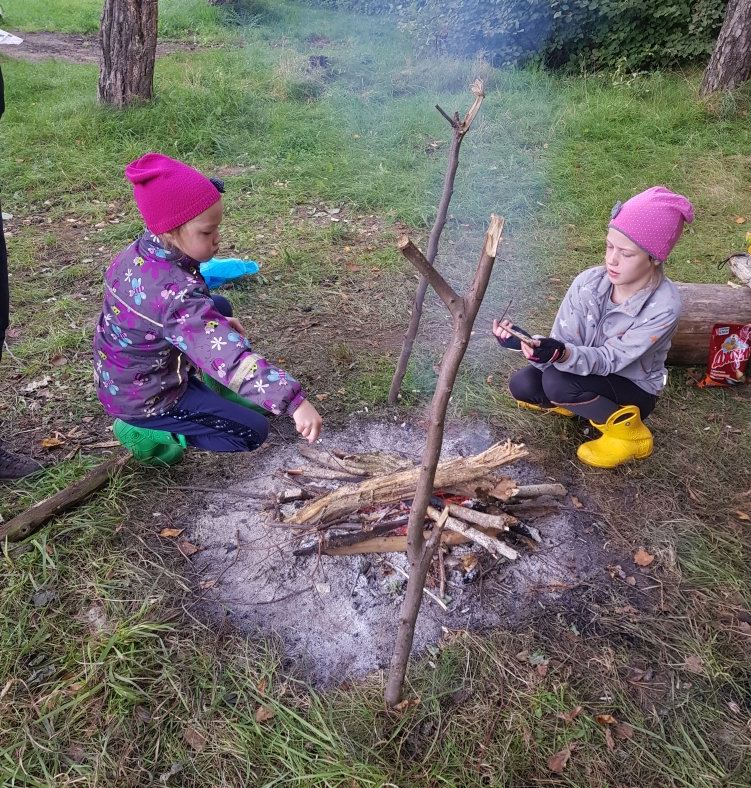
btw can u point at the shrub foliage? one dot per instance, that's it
(632, 34)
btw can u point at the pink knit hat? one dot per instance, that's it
(653, 220)
(169, 193)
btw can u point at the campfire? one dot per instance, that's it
(368, 509)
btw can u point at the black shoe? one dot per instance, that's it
(16, 466)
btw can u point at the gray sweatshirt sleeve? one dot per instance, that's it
(650, 327)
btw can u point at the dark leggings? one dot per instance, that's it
(593, 397)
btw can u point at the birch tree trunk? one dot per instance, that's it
(730, 64)
(128, 35)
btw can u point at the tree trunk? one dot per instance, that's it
(703, 306)
(128, 34)
(730, 64)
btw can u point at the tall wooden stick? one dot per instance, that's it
(419, 550)
(460, 129)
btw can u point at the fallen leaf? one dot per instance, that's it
(631, 580)
(195, 738)
(694, 663)
(542, 670)
(742, 515)
(643, 558)
(264, 714)
(740, 219)
(322, 397)
(469, 562)
(609, 741)
(59, 360)
(570, 716)
(204, 585)
(577, 503)
(623, 730)
(557, 763)
(606, 719)
(171, 533)
(52, 442)
(95, 617)
(523, 656)
(173, 770)
(186, 548)
(142, 713)
(42, 598)
(407, 703)
(504, 489)
(35, 385)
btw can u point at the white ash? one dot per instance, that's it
(337, 615)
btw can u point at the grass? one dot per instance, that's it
(107, 674)
(178, 19)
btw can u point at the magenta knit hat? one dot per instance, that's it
(653, 220)
(169, 193)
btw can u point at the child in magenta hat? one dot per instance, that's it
(605, 357)
(172, 364)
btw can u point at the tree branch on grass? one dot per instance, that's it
(460, 129)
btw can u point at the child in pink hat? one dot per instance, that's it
(172, 365)
(605, 357)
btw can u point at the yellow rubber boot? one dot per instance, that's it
(624, 438)
(538, 409)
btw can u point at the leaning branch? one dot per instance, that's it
(446, 293)
(460, 129)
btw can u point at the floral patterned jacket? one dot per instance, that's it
(157, 324)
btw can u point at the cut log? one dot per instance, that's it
(703, 307)
(397, 486)
(33, 519)
(398, 544)
(499, 521)
(538, 490)
(491, 544)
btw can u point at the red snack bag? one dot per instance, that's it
(729, 352)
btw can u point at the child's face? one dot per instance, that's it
(199, 238)
(626, 263)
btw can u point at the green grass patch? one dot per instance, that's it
(107, 675)
(178, 19)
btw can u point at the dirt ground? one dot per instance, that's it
(75, 48)
(337, 616)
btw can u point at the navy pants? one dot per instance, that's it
(206, 419)
(593, 397)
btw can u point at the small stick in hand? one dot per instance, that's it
(523, 338)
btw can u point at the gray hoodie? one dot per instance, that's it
(631, 339)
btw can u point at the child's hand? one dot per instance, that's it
(505, 338)
(308, 421)
(236, 325)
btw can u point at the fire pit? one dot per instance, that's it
(336, 614)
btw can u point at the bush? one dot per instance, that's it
(630, 34)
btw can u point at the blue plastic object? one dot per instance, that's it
(217, 271)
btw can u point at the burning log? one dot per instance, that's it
(489, 543)
(394, 487)
(460, 130)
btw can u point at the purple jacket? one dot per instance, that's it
(158, 322)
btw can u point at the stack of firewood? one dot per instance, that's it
(369, 510)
